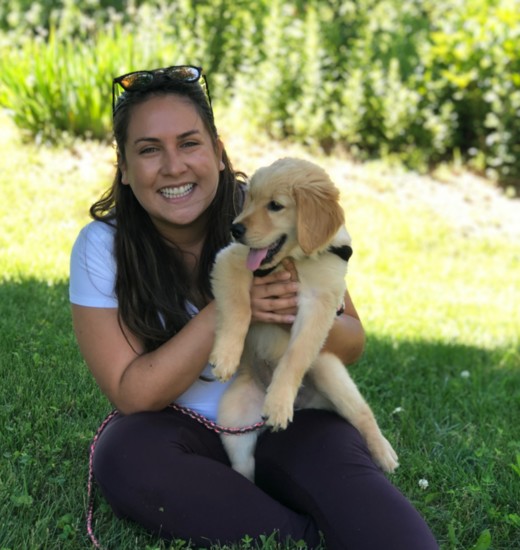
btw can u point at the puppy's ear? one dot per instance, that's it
(319, 214)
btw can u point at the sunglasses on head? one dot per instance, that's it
(139, 80)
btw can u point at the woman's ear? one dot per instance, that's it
(220, 150)
(122, 167)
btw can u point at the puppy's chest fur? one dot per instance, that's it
(321, 280)
(262, 371)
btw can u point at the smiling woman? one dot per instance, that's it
(172, 166)
(144, 317)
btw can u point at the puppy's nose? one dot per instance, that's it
(238, 230)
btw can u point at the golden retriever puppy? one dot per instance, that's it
(292, 211)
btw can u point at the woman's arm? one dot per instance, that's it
(346, 338)
(135, 381)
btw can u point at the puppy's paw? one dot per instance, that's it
(278, 413)
(221, 370)
(225, 361)
(384, 455)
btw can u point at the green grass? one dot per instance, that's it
(441, 368)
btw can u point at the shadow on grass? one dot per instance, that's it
(451, 410)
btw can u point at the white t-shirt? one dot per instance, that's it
(92, 282)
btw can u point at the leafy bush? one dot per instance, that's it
(57, 81)
(472, 63)
(59, 87)
(22, 16)
(421, 81)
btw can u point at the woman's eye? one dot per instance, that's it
(274, 206)
(189, 144)
(147, 150)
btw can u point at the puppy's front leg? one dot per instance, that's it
(309, 331)
(231, 282)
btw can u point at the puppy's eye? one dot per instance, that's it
(275, 206)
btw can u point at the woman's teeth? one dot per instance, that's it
(176, 192)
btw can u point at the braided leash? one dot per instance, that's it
(206, 422)
(90, 482)
(213, 426)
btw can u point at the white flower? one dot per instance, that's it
(398, 410)
(423, 484)
(465, 374)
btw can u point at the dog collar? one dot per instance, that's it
(344, 252)
(264, 272)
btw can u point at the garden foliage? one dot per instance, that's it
(421, 81)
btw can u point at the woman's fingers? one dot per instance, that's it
(274, 298)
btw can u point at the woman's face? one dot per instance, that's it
(171, 164)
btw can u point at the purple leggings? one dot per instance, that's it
(170, 474)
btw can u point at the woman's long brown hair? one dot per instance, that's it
(152, 284)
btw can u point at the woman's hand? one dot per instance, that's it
(274, 298)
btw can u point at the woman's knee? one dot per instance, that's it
(316, 437)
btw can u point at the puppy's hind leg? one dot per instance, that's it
(240, 406)
(332, 380)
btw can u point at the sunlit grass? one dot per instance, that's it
(415, 276)
(45, 197)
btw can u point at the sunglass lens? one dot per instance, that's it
(136, 80)
(189, 74)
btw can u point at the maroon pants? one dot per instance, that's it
(169, 473)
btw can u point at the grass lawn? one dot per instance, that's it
(440, 304)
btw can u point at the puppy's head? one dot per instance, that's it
(291, 209)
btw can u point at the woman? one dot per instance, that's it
(144, 319)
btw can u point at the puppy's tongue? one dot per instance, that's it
(255, 257)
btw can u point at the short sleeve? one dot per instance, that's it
(93, 268)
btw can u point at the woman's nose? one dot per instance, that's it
(173, 163)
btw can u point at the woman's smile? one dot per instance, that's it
(177, 192)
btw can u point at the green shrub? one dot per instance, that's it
(76, 16)
(423, 81)
(472, 63)
(338, 74)
(54, 87)
(61, 87)
(57, 82)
